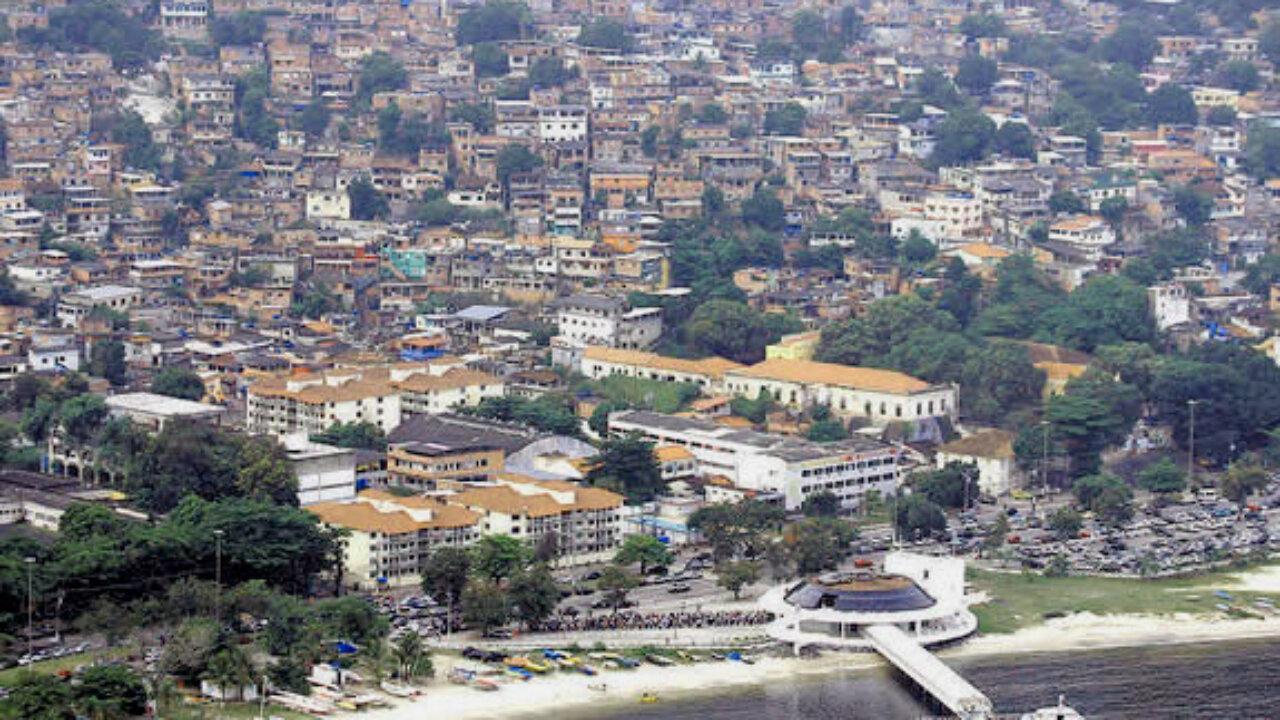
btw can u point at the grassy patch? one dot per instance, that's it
(1022, 600)
(663, 397)
(67, 664)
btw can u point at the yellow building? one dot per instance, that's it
(799, 346)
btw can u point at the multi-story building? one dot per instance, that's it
(789, 468)
(74, 307)
(602, 320)
(390, 538)
(585, 522)
(428, 393)
(312, 403)
(599, 362)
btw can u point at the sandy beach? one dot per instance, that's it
(565, 691)
(572, 692)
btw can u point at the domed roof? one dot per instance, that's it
(863, 592)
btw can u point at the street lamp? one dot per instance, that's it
(217, 576)
(1044, 455)
(31, 608)
(1191, 442)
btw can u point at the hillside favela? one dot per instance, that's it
(639, 359)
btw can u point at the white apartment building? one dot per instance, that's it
(426, 393)
(601, 320)
(310, 404)
(562, 124)
(325, 473)
(390, 538)
(790, 467)
(1088, 233)
(586, 521)
(879, 396)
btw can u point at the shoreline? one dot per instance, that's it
(570, 693)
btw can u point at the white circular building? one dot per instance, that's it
(922, 596)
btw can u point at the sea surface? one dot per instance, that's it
(1222, 681)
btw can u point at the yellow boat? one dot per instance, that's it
(648, 698)
(537, 667)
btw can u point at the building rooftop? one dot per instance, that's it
(808, 372)
(145, 403)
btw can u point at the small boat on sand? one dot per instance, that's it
(659, 660)
(648, 698)
(484, 685)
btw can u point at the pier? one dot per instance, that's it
(931, 674)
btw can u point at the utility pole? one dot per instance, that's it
(31, 609)
(1191, 442)
(1044, 455)
(217, 576)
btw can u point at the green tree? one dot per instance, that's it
(230, 668)
(736, 575)
(1240, 75)
(615, 582)
(918, 517)
(533, 595)
(549, 72)
(1163, 478)
(1066, 523)
(1194, 207)
(1132, 43)
(479, 115)
(1221, 116)
(866, 339)
(786, 120)
(824, 431)
(178, 383)
(740, 529)
(821, 504)
(38, 696)
(1242, 480)
(728, 329)
(1262, 151)
(1066, 202)
(131, 130)
(1171, 104)
(358, 434)
(241, 28)
(492, 22)
(412, 658)
(628, 466)
(1104, 311)
(106, 360)
(499, 556)
(314, 119)
(367, 202)
(819, 544)
(965, 136)
(1113, 209)
(976, 74)
(490, 60)
(379, 72)
(444, 575)
(646, 550)
(264, 472)
(108, 692)
(809, 33)
(515, 160)
(764, 210)
(606, 34)
(1095, 412)
(984, 25)
(1016, 140)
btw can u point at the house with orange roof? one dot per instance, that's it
(871, 394)
(389, 538)
(585, 523)
(599, 362)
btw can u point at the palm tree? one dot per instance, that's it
(411, 657)
(375, 660)
(230, 667)
(162, 692)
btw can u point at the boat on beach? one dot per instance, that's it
(659, 660)
(400, 690)
(484, 685)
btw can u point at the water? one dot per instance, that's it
(1220, 681)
